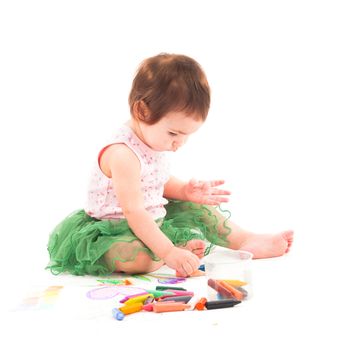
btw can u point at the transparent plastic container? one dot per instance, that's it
(226, 267)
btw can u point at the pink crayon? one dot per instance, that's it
(181, 292)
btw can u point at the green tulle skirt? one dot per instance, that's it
(79, 243)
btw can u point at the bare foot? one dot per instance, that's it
(196, 246)
(268, 245)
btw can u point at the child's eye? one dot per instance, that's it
(172, 133)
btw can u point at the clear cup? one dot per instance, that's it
(232, 267)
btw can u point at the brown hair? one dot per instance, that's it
(166, 83)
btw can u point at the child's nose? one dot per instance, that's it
(181, 141)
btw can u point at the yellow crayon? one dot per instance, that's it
(235, 283)
(130, 309)
(138, 299)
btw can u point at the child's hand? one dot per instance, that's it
(181, 260)
(205, 192)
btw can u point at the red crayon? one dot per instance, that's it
(200, 304)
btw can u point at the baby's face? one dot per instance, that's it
(170, 132)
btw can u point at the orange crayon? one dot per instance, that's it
(235, 292)
(170, 306)
(200, 304)
(219, 288)
(196, 273)
(130, 309)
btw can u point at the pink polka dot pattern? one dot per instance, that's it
(102, 202)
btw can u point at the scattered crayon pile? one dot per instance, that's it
(170, 299)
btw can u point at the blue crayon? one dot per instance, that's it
(117, 314)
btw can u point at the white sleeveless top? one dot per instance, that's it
(102, 202)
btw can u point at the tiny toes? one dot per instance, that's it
(288, 235)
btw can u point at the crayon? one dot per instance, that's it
(167, 307)
(196, 273)
(234, 291)
(148, 307)
(149, 300)
(200, 304)
(169, 288)
(245, 293)
(117, 314)
(235, 283)
(180, 292)
(132, 296)
(159, 293)
(138, 299)
(201, 267)
(130, 309)
(183, 298)
(220, 304)
(219, 288)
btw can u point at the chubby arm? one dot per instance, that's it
(175, 189)
(202, 192)
(124, 168)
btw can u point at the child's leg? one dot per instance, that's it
(261, 245)
(142, 263)
(139, 262)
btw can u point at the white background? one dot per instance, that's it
(277, 132)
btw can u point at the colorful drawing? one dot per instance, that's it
(111, 281)
(142, 278)
(42, 299)
(109, 292)
(173, 280)
(165, 278)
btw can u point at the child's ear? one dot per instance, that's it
(141, 111)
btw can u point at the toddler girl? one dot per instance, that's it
(139, 217)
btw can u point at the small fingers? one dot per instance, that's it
(215, 183)
(191, 264)
(215, 200)
(220, 192)
(186, 268)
